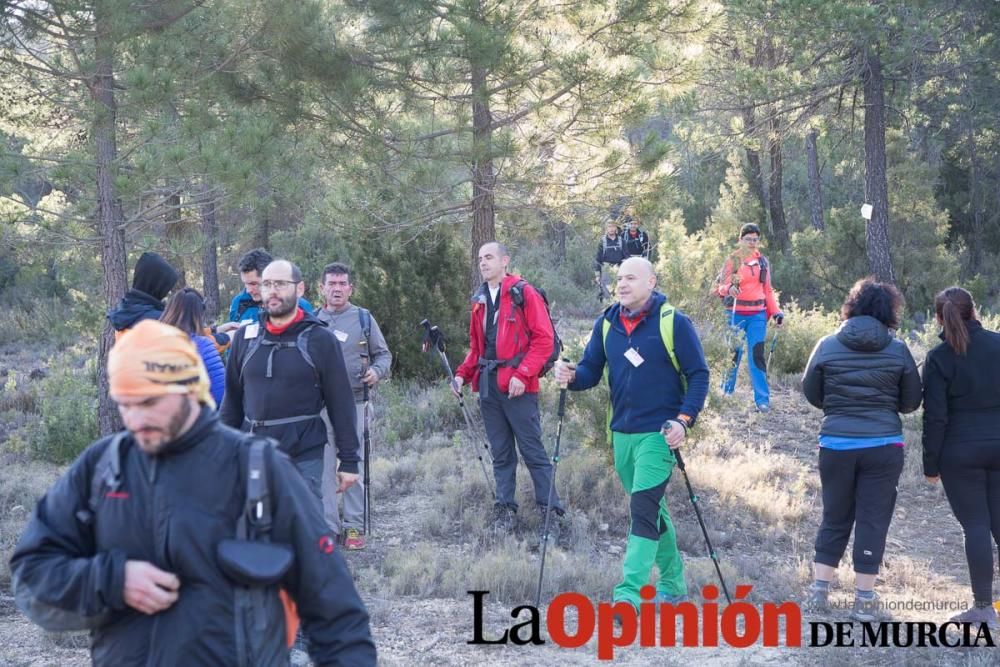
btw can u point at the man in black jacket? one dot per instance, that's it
(134, 557)
(282, 371)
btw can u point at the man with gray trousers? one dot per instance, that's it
(368, 359)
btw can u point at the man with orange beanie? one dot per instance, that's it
(130, 542)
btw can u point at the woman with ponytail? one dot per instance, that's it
(962, 437)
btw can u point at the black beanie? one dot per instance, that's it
(749, 228)
(154, 276)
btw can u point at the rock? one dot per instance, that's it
(615, 550)
(603, 528)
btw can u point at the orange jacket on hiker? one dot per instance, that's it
(755, 294)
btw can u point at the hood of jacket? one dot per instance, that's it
(864, 334)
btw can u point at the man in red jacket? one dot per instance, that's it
(510, 339)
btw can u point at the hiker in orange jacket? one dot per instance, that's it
(745, 287)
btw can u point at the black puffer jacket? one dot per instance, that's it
(862, 378)
(172, 510)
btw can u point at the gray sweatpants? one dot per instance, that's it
(354, 497)
(508, 421)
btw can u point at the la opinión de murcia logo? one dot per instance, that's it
(737, 625)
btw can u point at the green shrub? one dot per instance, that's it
(68, 420)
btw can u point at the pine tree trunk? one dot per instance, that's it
(483, 176)
(756, 174)
(978, 238)
(109, 211)
(209, 254)
(779, 226)
(876, 183)
(815, 187)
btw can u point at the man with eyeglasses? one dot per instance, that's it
(283, 371)
(744, 284)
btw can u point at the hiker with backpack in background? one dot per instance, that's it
(140, 541)
(961, 437)
(744, 284)
(656, 371)
(152, 280)
(636, 240)
(610, 253)
(862, 377)
(368, 359)
(511, 343)
(286, 369)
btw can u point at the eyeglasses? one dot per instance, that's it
(277, 284)
(752, 239)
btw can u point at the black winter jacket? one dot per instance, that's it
(294, 389)
(172, 510)
(862, 378)
(134, 307)
(961, 396)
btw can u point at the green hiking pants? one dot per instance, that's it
(644, 462)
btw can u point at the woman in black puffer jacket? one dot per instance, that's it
(962, 436)
(862, 377)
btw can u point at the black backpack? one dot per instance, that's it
(517, 296)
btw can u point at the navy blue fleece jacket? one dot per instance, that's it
(645, 396)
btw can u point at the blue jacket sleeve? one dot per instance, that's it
(213, 364)
(591, 368)
(691, 357)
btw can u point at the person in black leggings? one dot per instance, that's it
(962, 437)
(862, 377)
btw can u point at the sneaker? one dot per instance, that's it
(978, 615)
(763, 407)
(502, 520)
(354, 539)
(865, 611)
(667, 598)
(817, 599)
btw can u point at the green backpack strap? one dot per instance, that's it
(667, 313)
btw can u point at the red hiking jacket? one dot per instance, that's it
(519, 330)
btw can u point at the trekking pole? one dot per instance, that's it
(434, 337)
(701, 522)
(770, 350)
(552, 487)
(368, 452)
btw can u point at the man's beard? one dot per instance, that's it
(287, 306)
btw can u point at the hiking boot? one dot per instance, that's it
(817, 599)
(616, 616)
(865, 611)
(354, 539)
(978, 615)
(557, 528)
(502, 520)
